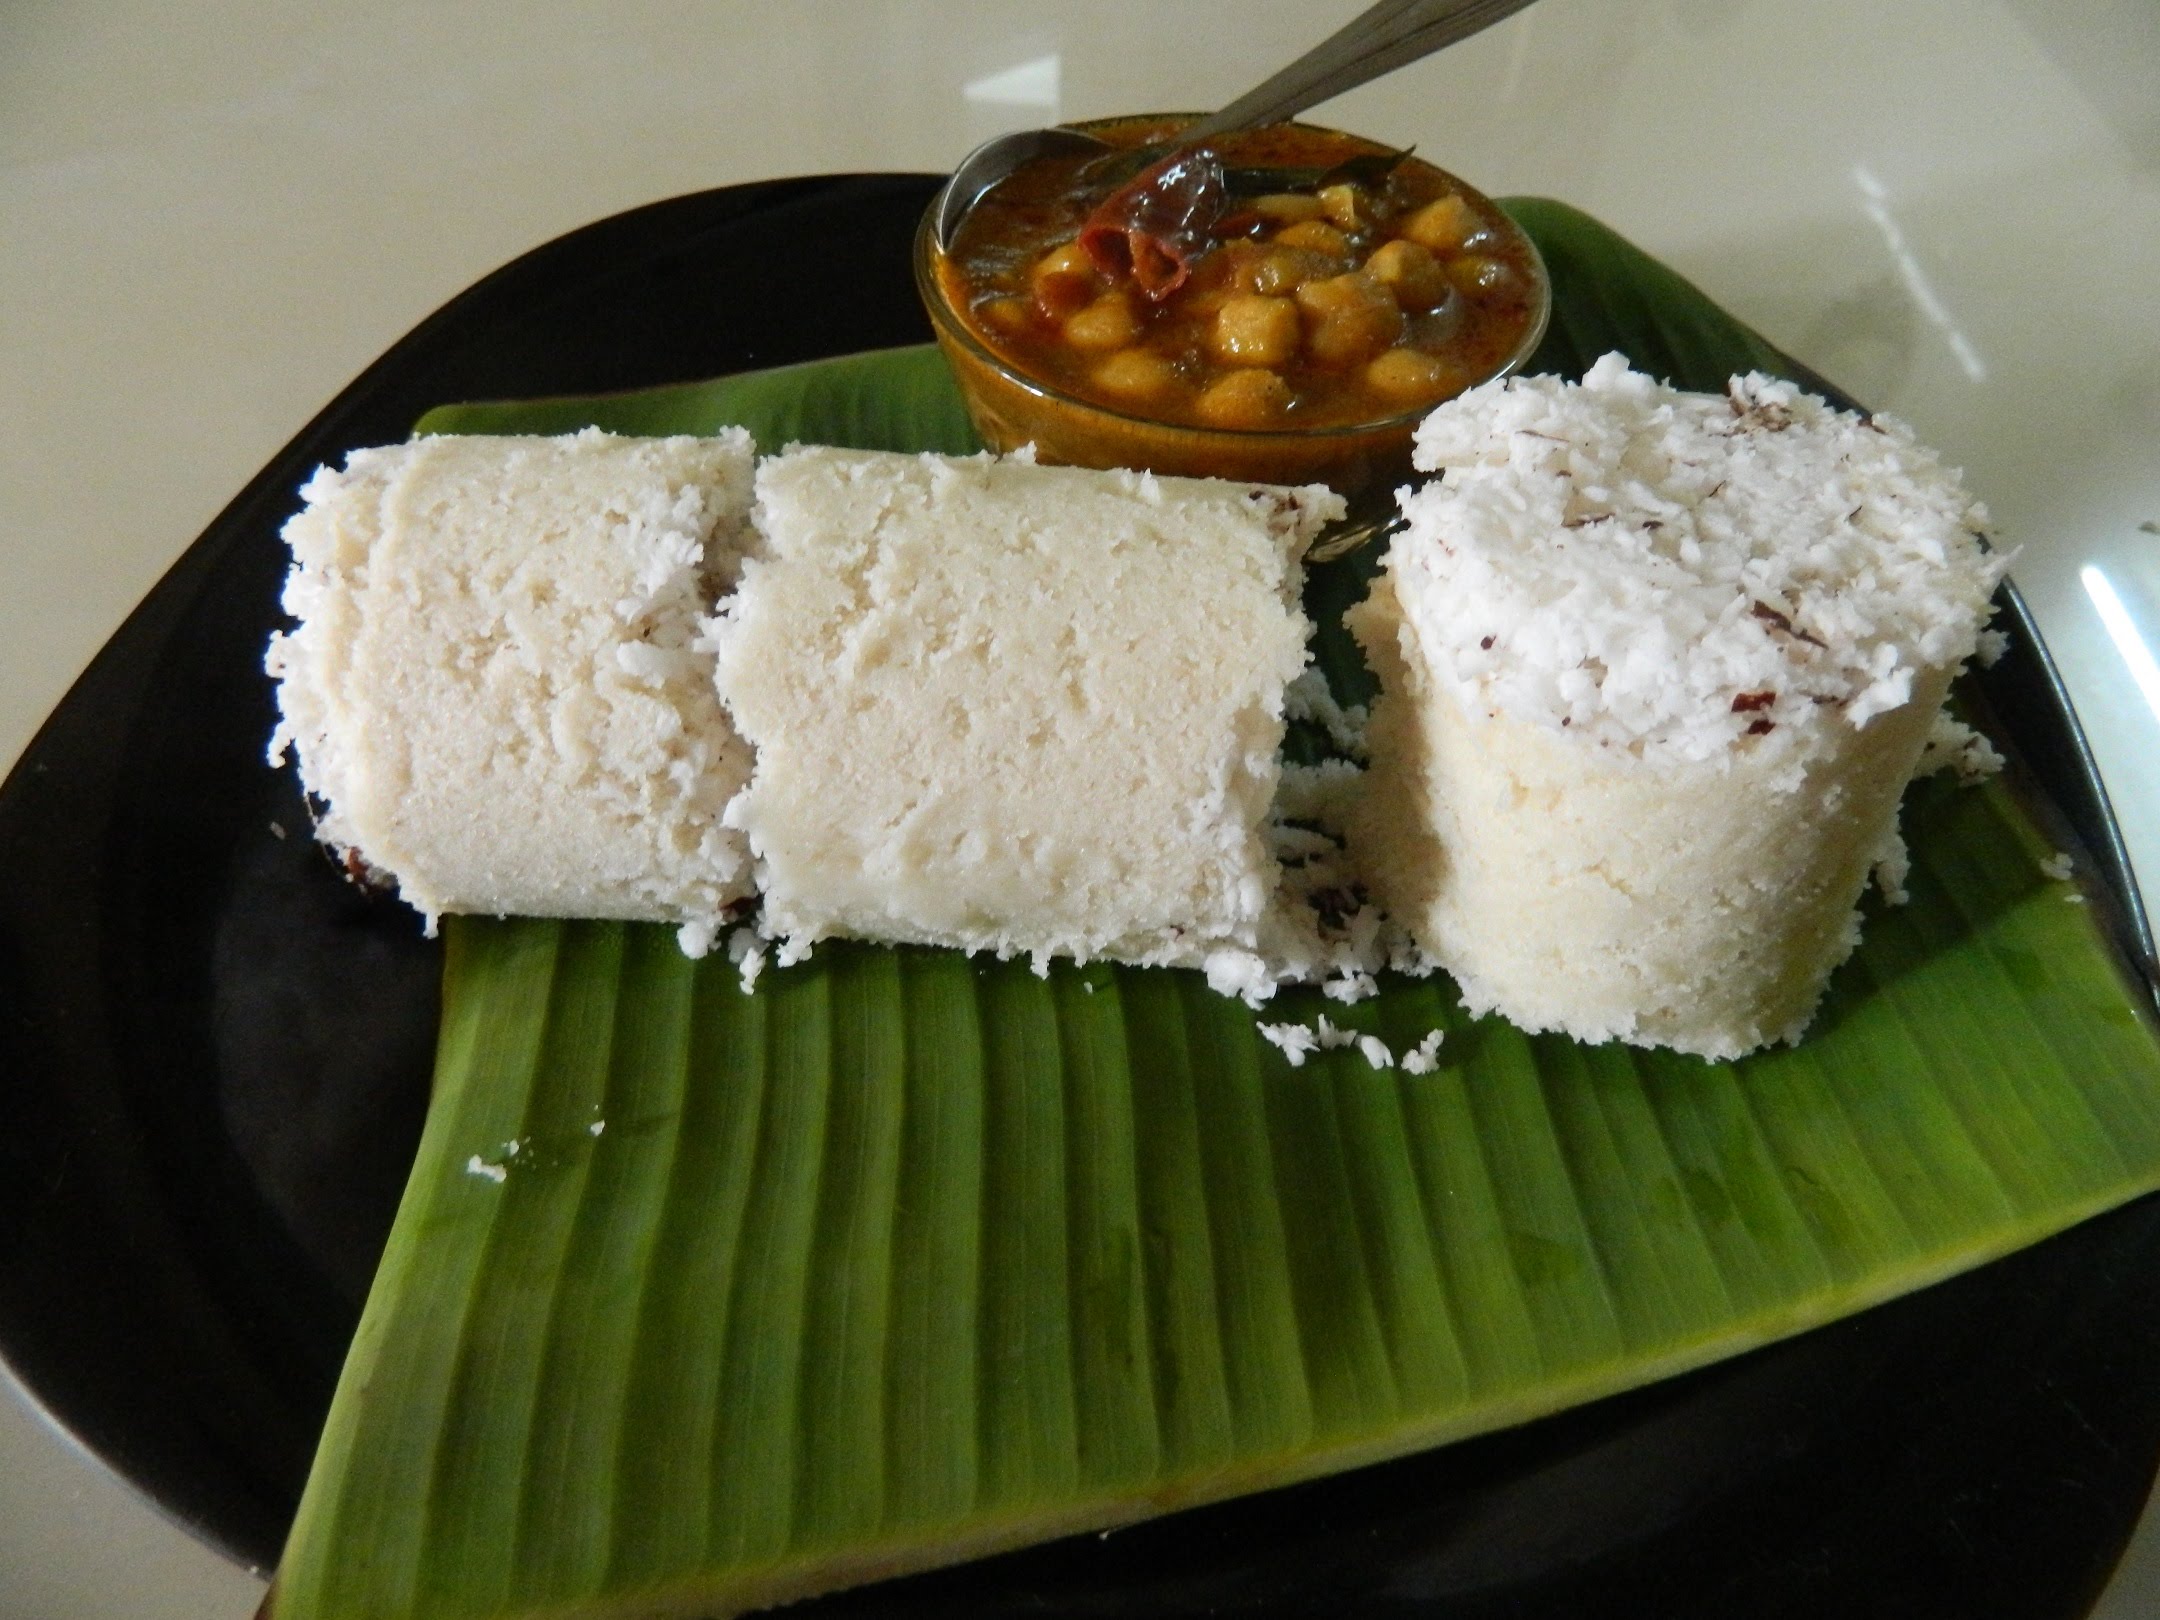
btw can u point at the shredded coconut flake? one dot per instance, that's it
(1241, 974)
(477, 1166)
(1352, 985)
(2058, 866)
(1308, 699)
(1331, 1037)
(1424, 1057)
(746, 950)
(1294, 1041)
(1954, 746)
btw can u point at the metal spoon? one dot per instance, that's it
(1378, 40)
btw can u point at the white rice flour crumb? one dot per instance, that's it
(2059, 867)
(477, 1166)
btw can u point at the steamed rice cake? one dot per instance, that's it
(1656, 668)
(1020, 709)
(498, 688)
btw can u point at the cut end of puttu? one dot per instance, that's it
(498, 688)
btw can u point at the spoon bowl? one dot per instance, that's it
(998, 157)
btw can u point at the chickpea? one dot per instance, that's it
(1280, 270)
(1252, 330)
(1063, 281)
(1244, 399)
(1442, 226)
(1009, 314)
(1410, 272)
(1348, 319)
(1204, 303)
(1135, 376)
(1412, 377)
(1481, 278)
(1344, 206)
(1317, 235)
(1107, 323)
(1289, 208)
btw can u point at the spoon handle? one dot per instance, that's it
(1376, 41)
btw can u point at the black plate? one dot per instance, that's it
(214, 1058)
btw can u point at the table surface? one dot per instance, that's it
(218, 216)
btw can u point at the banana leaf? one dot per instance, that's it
(700, 1300)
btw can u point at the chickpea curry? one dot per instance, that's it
(1279, 278)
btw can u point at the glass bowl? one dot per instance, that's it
(1011, 407)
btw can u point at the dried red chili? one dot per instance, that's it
(1155, 226)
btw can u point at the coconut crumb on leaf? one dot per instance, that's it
(1331, 1036)
(1350, 986)
(1424, 1057)
(746, 951)
(1240, 974)
(1294, 1041)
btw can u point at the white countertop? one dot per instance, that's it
(218, 214)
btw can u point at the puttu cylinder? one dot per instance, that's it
(1656, 668)
(1027, 710)
(499, 689)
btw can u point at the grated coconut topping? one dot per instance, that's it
(1684, 575)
